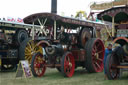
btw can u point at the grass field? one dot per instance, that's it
(53, 77)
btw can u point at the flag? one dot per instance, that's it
(20, 20)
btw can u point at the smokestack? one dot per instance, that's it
(54, 6)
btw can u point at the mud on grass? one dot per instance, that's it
(53, 77)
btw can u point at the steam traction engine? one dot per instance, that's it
(68, 43)
(12, 36)
(118, 59)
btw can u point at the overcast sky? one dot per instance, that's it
(23, 8)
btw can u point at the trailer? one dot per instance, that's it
(68, 43)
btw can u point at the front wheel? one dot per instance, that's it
(110, 67)
(68, 64)
(38, 65)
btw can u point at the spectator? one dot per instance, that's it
(108, 50)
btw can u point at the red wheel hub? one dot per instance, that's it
(39, 65)
(68, 64)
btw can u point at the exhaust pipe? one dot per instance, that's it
(54, 6)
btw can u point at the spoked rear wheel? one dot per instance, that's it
(111, 69)
(94, 55)
(68, 64)
(38, 65)
(30, 49)
(27, 48)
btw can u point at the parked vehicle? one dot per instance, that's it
(68, 44)
(118, 60)
(12, 36)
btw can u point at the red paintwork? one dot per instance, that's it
(69, 70)
(120, 38)
(79, 55)
(98, 49)
(39, 65)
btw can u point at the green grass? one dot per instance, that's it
(53, 77)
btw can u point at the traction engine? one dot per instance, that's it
(117, 61)
(70, 43)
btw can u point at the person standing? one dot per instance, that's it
(108, 50)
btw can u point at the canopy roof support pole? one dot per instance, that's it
(113, 26)
(54, 29)
(107, 28)
(33, 31)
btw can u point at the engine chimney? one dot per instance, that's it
(54, 6)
